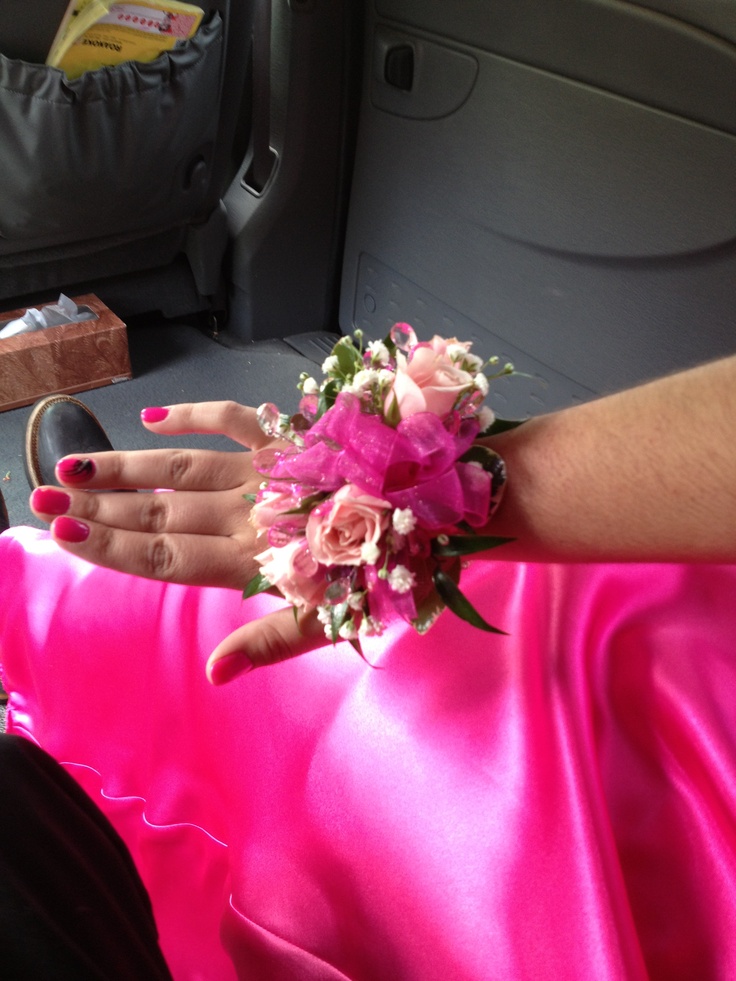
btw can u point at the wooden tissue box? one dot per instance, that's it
(63, 360)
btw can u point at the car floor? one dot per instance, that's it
(172, 363)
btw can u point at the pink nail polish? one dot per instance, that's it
(229, 667)
(75, 470)
(49, 500)
(70, 530)
(155, 413)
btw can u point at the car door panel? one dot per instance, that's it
(544, 186)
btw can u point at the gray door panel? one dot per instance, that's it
(557, 180)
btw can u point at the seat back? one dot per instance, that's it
(119, 174)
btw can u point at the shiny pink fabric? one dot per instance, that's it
(560, 803)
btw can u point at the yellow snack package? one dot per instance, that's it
(105, 32)
(69, 26)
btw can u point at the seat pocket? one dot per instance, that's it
(115, 151)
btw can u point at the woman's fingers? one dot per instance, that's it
(275, 637)
(198, 535)
(237, 422)
(183, 537)
(176, 469)
(196, 560)
(225, 512)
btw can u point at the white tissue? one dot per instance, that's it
(65, 311)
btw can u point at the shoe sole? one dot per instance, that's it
(30, 461)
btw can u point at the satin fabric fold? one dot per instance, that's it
(558, 803)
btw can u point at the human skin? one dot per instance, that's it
(648, 474)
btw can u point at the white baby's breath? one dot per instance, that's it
(362, 380)
(370, 627)
(330, 364)
(369, 553)
(472, 363)
(401, 579)
(403, 520)
(348, 630)
(310, 386)
(378, 353)
(481, 383)
(457, 351)
(486, 417)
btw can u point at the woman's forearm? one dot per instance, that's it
(648, 474)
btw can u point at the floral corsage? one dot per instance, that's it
(373, 495)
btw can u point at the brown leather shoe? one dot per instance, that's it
(59, 425)
(4, 520)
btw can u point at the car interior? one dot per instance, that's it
(554, 180)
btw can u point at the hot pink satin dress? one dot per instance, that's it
(555, 804)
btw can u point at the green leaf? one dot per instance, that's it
(307, 504)
(338, 615)
(250, 498)
(468, 544)
(390, 346)
(393, 416)
(348, 359)
(460, 606)
(327, 396)
(258, 584)
(502, 425)
(427, 612)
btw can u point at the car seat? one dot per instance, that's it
(116, 177)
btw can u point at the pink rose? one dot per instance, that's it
(293, 570)
(440, 345)
(346, 529)
(428, 381)
(270, 506)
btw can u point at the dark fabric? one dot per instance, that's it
(72, 905)
(123, 127)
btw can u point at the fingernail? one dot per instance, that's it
(229, 667)
(74, 470)
(155, 413)
(48, 500)
(70, 530)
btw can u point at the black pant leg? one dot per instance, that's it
(72, 905)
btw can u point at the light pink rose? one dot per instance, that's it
(271, 504)
(440, 345)
(293, 570)
(428, 381)
(337, 534)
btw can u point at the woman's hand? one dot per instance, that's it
(199, 534)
